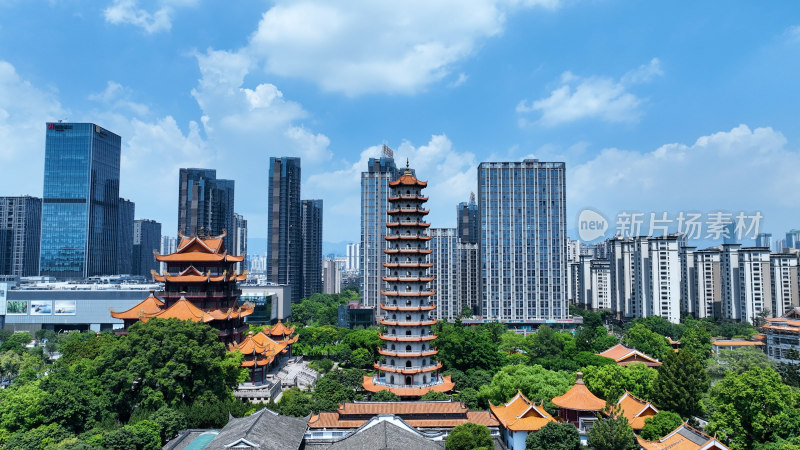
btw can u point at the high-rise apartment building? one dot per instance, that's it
(205, 204)
(469, 276)
(126, 215)
(523, 240)
(445, 258)
(311, 217)
(763, 240)
(169, 244)
(239, 239)
(645, 277)
(20, 235)
(785, 287)
(146, 241)
(353, 251)
(80, 205)
(374, 203)
(755, 279)
(468, 221)
(332, 276)
(792, 239)
(284, 245)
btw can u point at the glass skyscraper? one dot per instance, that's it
(523, 240)
(205, 204)
(80, 205)
(284, 246)
(311, 217)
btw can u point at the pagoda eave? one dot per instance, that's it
(396, 323)
(407, 354)
(408, 308)
(408, 370)
(412, 338)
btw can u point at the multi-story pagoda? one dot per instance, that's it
(408, 368)
(200, 284)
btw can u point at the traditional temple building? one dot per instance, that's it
(518, 417)
(635, 410)
(200, 284)
(408, 368)
(579, 406)
(624, 356)
(683, 438)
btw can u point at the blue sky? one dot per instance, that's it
(654, 107)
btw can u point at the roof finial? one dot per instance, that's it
(408, 170)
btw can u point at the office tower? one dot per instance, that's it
(523, 243)
(20, 235)
(311, 217)
(763, 240)
(780, 245)
(169, 245)
(444, 256)
(792, 239)
(332, 276)
(80, 205)
(469, 276)
(284, 246)
(645, 277)
(409, 368)
(146, 241)
(468, 221)
(125, 218)
(785, 288)
(353, 250)
(239, 239)
(205, 204)
(374, 202)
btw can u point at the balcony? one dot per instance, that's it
(407, 338)
(408, 211)
(408, 308)
(404, 279)
(408, 370)
(409, 197)
(398, 323)
(408, 223)
(408, 293)
(410, 265)
(408, 251)
(397, 354)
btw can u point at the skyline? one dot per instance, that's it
(652, 109)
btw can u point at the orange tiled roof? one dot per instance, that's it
(683, 438)
(279, 329)
(446, 386)
(198, 256)
(147, 307)
(519, 414)
(579, 398)
(735, 343)
(259, 349)
(624, 356)
(635, 410)
(408, 180)
(351, 415)
(183, 310)
(401, 408)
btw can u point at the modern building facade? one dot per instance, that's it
(240, 238)
(785, 283)
(468, 221)
(80, 204)
(445, 258)
(374, 203)
(353, 259)
(469, 276)
(284, 246)
(20, 235)
(126, 215)
(523, 240)
(146, 242)
(205, 204)
(409, 368)
(311, 216)
(332, 276)
(168, 245)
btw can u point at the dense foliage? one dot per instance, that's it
(660, 425)
(680, 384)
(469, 436)
(612, 433)
(610, 382)
(554, 436)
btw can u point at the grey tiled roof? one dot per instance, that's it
(386, 436)
(264, 428)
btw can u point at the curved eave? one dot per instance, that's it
(408, 211)
(385, 337)
(408, 294)
(395, 237)
(404, 279)
(408, 371)
(403, 181)
(445, 386)
(408, 197)
(417, 265)
(407, 251)
(407, 224)
(407, 308)
(396, 323)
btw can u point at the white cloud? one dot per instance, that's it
(24, 109)
(792, 33)
(118, 97)
(737, 170)
(599, 98)
(358, 47)
(158, 18)
(451, 176)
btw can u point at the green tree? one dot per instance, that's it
(470, 398)
(544, 343)
(21, 407)
(144, 435)
(76, 400)
(697, 341)
(554, 436)
(647, 342)
(535, 382)
(466, 348)
(167, 362)
(41, 437)
(754, 406)
(660, 425)
(385, 395)
(662, 326)
(612, 433)
(611, 381)
(680, 384)
(294, 402)
(170, 422)
(435, 395)
(738, 361)
(16, 342)
(361, 358)
(469, 436)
